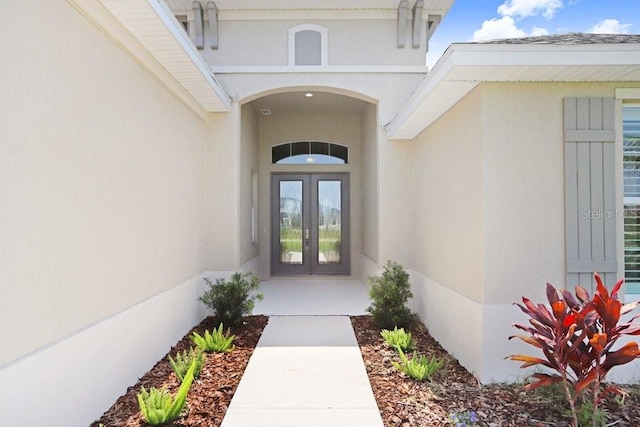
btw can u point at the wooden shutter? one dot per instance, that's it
(590, 209)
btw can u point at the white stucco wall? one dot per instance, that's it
(101, 180)
(388, 90)
(357, 41)
(221, 192)
(447, 234)
(370, 183)
(394, 198)
(524, 186)
(102, 217)
(523, 183)
(247, 165)
(505, 168)
(447, 224)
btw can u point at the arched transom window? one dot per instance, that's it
(309, 152)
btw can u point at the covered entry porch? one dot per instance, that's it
(308, 184)
(316, 296)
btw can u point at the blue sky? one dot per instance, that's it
(475, 20)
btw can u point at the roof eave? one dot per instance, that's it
(464, 66)
(157, 34)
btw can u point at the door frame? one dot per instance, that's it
(310, 215)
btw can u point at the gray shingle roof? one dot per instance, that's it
(571, 38)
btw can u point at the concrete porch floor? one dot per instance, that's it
(312, 296)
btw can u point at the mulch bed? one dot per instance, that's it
(210, 394)
(406, 402)
(402, 401)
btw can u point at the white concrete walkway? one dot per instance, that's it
(311, 296)
(305, 371)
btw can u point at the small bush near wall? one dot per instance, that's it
(389, 295)
(231, 300)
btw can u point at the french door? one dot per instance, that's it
(309, 224)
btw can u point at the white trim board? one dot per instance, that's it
(628, 93)
(320, 69)
(464, 66)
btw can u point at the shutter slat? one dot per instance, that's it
(571, 200)
(597, 200)
(584, 202)
(609, 181)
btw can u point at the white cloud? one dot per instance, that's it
(537, 31)
(526, 8)
(610, 26)
(504, 28)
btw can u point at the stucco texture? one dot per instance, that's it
(101, 179)
(350, 42)
(489, 195)
(448, 228)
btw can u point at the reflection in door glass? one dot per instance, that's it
(291, 222)
(329, 222)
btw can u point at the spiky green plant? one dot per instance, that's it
(217, 342)
(159, 407)
(419, 367)
(182, 362)
(398, 338)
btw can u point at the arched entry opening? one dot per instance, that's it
(313, 157)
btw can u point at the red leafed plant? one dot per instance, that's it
(576, 335)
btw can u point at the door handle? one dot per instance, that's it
(306, 237)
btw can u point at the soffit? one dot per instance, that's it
(444, 5)
(296, 103)
(465, 66)
(153, 25)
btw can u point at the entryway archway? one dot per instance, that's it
(310, 132)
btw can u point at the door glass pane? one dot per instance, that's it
(329, 222)
(291, 222)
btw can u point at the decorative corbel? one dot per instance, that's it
(432, 23)
(403, 10)
(417, 23)
(212, 14)
(198, 23)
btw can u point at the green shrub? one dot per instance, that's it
(231, 300)
(183, 361)
(398, 338)
(419, 367)
(389, 294)
(216, 342)
(159, 407)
